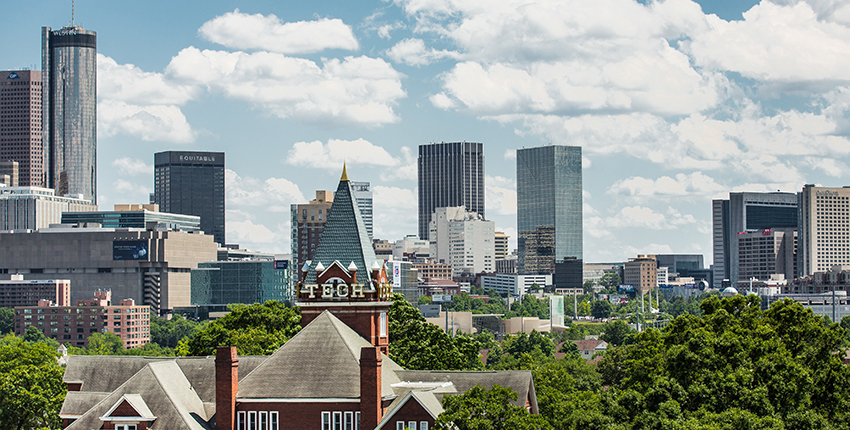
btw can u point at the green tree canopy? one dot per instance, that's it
(31, 387)
(482, 409)
(617, 332)
(7, 321)
(257, 329)
(601, 309)
(169, 333)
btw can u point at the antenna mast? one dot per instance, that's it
(72, 13)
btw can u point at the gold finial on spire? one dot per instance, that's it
(344, 177)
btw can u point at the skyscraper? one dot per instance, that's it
(20, 125)
(192, 183)
(824, 236)
(549, 207)
(307, 224)
(450, 174)
(69, 81)
(746, 212)
(362, 192)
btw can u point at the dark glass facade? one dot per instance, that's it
(450, 175)
(216, 284)
(549, 199)
(134, 219)
(69, 102)
(192, 183)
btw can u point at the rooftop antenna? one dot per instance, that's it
(72, 13)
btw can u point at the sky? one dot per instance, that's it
(673, 102)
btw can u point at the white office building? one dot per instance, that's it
(31, 208)
(463, 239)
(514, 285)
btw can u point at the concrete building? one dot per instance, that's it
(74, 324)
(746, 212)
(662, 276)
(215, 284)
(450, 175)
(21, 127)
(549, 207)
(30, 208)
(766, 253)
(411, 248)
(514, 285)
(134, 216)
(438, 287)
(642, 273)
(837, 278)
(152, 267)
(824, 239)
(507, 265)
(69, 105)
(308, 222)
(502, 251)
(192, 183)
(362, 192)
(465, 240)
(20, 292)
(432, 270)
(595, 271)
(9, 172)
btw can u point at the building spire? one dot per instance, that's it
(72, 13)
(344, 177)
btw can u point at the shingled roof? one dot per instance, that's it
(321, 361)
(517, 380)
(344, 237)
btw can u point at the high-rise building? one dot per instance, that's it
(308, 223)
(9, 173)
(764, 253)
(549, 207)
(642, 272)
(362, 192)
(69, 103)
(192, 183)
(824, 236)
(463, 239)
(501, 245)
(20, 125)
(746, 212)
(450, 174)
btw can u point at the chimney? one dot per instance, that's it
(226, 386)
(371, 411)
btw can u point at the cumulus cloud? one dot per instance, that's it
(394, 211)
(353, 90)
(132, 166)
(408, 170)
(500, 195)
(644, 217)
(150, 123)
(414, 53)
(694, 184)
(269, 33)
(336, 151)
(274, 194)
(129, 192)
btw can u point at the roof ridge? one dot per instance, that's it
(168, 393)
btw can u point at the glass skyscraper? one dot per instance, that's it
(549, 207)
(450, 175)
(216, 284)
(69, 101)
(192, 183)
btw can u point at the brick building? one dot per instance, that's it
(20, 292)
(74, 324)
(333, 374)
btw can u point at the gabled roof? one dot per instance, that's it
(517, 380)
(591, 345)
(136, 402)
(321, 361)
(344, 238)
(166, 393)
(426, 399)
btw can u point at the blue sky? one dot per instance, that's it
(674, 103)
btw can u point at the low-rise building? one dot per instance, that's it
(20, 292)
(587, 348)
(134, 216)
(514, 285)
(641, 272)
(431, 287)
(432, 270)
(74, 324)
(30, 208)
(215, 284)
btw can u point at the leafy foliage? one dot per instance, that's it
(7, 320)
(169, 333)
(617, 332)
(482, 409)
(601, 309)
(31, 387)
(257, 329)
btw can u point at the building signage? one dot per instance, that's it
(826, 193)
(196, 158)
(129, 250)
(397, 274)
(281, 264)
(439, 298)
(13, 75)
(335, 290)
(626, 287)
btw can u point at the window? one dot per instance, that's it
(399, 425)
(423, 425)
(337, 420)
(357, 421)
(264, 421)
(383, 323)
(326, 421)
(273, 420)
(349, 421)
(240, 421)
(411, 425)
(252, 420)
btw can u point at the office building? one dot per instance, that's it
(30, 208)
(74, 324)
(69, 104)
(507, 265)
(514, 285)
(152, 267)
(746, 212)
(21, 147)
(765, 253)
(307, 223)
(450, 174)
(837, 278)
(411, 248)
(215, 284)
(641, 272)
(568, 273)
(824, 239)
(362, 192)
(192, 183)
(134, 216)
(463, 239)
(501, 245)
(432, 270)
(9, 173)
(18, 291)
(549, 207)
(405, 280)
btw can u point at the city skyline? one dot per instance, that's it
(319, 84)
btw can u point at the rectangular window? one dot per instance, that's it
(252, 420)
(349, 421)
(337, 420)
(240, 421)
(423, 425)
(383, 323)
(264, 421)
(399, 425)
(273, 425)
(357, 421)
(411, 425)
(326, 421)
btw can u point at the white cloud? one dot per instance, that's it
(384, 30)
(414, 53)
(331, 155)
(247, 191)
(500, 195)
(150, 123)
(830, 166)
(695, 184)
(408, 170)
(269, 33)
(510, 154)
(394, 211)
(130, 192)
(354, 90)
(128, 83)
(644, 217)
(132, 166)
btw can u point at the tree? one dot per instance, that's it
(617, 332)
(31, 387)
(610, 281)
(34, 335)
(101, 344)
(584, 308)
(601, 309)
(424, 300)
(169, 333)
(257, 329)
(482, 409)
(588, 286)
(7, 321)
